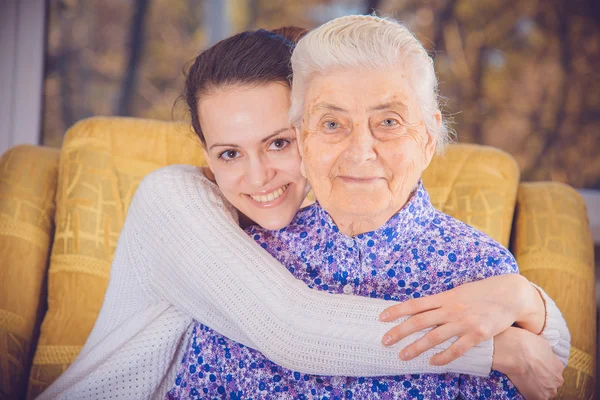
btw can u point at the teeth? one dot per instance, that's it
(271, 196)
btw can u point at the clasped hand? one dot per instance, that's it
(478, 311)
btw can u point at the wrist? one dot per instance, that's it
(533, 313)
(508, 353)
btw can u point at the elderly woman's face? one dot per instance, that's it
(364, 145)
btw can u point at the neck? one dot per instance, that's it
(245, 221)
(353, 224)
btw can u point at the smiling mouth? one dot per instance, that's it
(275, 194)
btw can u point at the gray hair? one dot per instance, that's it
(372, 42)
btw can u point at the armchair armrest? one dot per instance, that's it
(28, 176)
(552, 243)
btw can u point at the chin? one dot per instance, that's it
(360, 207)
(275, 219)
(275, 224)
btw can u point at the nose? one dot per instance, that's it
(361, 146)
(260, 172)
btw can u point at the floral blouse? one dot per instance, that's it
(418, 252)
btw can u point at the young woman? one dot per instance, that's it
(181, 257)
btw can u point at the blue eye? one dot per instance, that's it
(389, 122)
(229, 155)
(331, 125)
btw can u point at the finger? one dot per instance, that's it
(414, 324)
(433, 338)
(456, 350)
(411, 307)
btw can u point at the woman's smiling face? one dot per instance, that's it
(251, 149)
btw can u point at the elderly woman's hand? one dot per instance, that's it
(473, 312)
(528, 361)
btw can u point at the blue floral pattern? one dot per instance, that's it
(418, 252)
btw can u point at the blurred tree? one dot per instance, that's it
(371, 6)
(136, 46)
(216, 21)
(521, 75)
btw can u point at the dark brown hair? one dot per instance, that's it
(248, 58)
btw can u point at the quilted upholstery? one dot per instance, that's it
(28, 176)
(477, 185)
(104, 159)
(553, 247)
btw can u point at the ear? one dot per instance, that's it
(431, 143)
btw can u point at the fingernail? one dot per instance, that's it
(383, 316)
(405, 355)
(387, 339)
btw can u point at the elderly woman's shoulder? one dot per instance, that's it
(467, 253)
(452, 229)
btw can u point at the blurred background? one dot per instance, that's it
(521, 75)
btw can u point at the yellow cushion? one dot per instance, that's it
(477, 185)
(28, 177)
(553, 246)
(102, 162)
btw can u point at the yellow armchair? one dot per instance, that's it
(85, 195)
(28, 176)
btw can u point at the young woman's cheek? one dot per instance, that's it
(229, 175)
(287, 160)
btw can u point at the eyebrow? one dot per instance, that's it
(380, 107)
(328, 106)
(387, 106)
(277, 132)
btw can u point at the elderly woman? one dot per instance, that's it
(181, 257)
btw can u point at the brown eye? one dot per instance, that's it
(279, 143)
(229, 155)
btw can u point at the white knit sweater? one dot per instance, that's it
(181, 256)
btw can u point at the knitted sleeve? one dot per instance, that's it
(190, 252)
(555, 329)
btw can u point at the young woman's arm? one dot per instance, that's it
(189, 251)
(238, 289)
